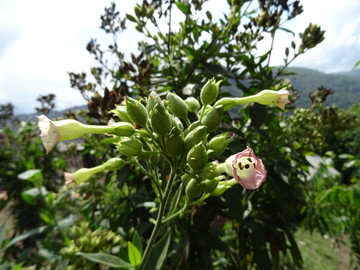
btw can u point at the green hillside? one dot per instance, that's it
(346, 86)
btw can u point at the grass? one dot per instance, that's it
(321, 253)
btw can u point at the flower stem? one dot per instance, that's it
(159, 220)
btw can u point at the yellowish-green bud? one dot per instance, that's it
(210, 185)
(136, 111)
(130, 147)
(193, 189)
(121, 113)
(212, 118)
(197, 157)
(195, 136)
(218, 144)
(114, 164)
(209, 92)
(122, 129)
(161, 121)
(193, 104)
(152, 100)
(174, 143)
(176, 105)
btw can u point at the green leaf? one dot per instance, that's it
(158, 253)
(183, 8)
(134, 254)
(356, 65)
(106, 259)
(26, 235)
(28, 174)
(137, 242)
(30, 195)
(47, 217)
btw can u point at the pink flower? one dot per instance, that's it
(247, 169)
(3, 195)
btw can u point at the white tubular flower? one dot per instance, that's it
(69, 129)
(269, 97)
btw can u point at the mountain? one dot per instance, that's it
(345, 85)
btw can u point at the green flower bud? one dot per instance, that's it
(177, 122)
(228, 103)
(136, 111)
(193, 189)
(114, 164)
(130, 147)
(193, 105)
(177, 105)
(218, 144)
(212, 118)
(121, 113)
(195, 136)
(161, 121)
(185, 178)
(192, 126)
(152, 100)
(197, 157)
(208, 171)
(174, 143)
(122, 129)
(210, 185)
(209, 92)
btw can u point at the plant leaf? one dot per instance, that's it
(26, 235)
(134, 254)
(183, 8)
(137, 242)
(106, 259)
(158, 253)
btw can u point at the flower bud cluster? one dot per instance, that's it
(88, 241)
(158, 128)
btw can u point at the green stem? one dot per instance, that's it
(180, 212)
(159, 220)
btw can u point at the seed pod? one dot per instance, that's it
(212, 119)
(152, 100)
(197, 157)
(122, 129)
(161, 121)
(195, 136)
(174, 143)
(193, 105)
(177, 105)
(121, 113)
(209, 92)
(210, 185)
(136, 111)
(218, 144)
(130, 147)
(193, 189)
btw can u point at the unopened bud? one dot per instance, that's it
(174, 143)
(161, 121)
(136, 111)
(114, 164)
(121, 113)
(130, 147)
(209, 92)
(177, 105)
(193, 104)
(193, 189)
(152, 100)
(210, 185)
(197, 157)
(212, 119)
(218, 144)
(122, 129)
(195, 136)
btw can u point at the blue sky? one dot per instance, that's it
(42, 40)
